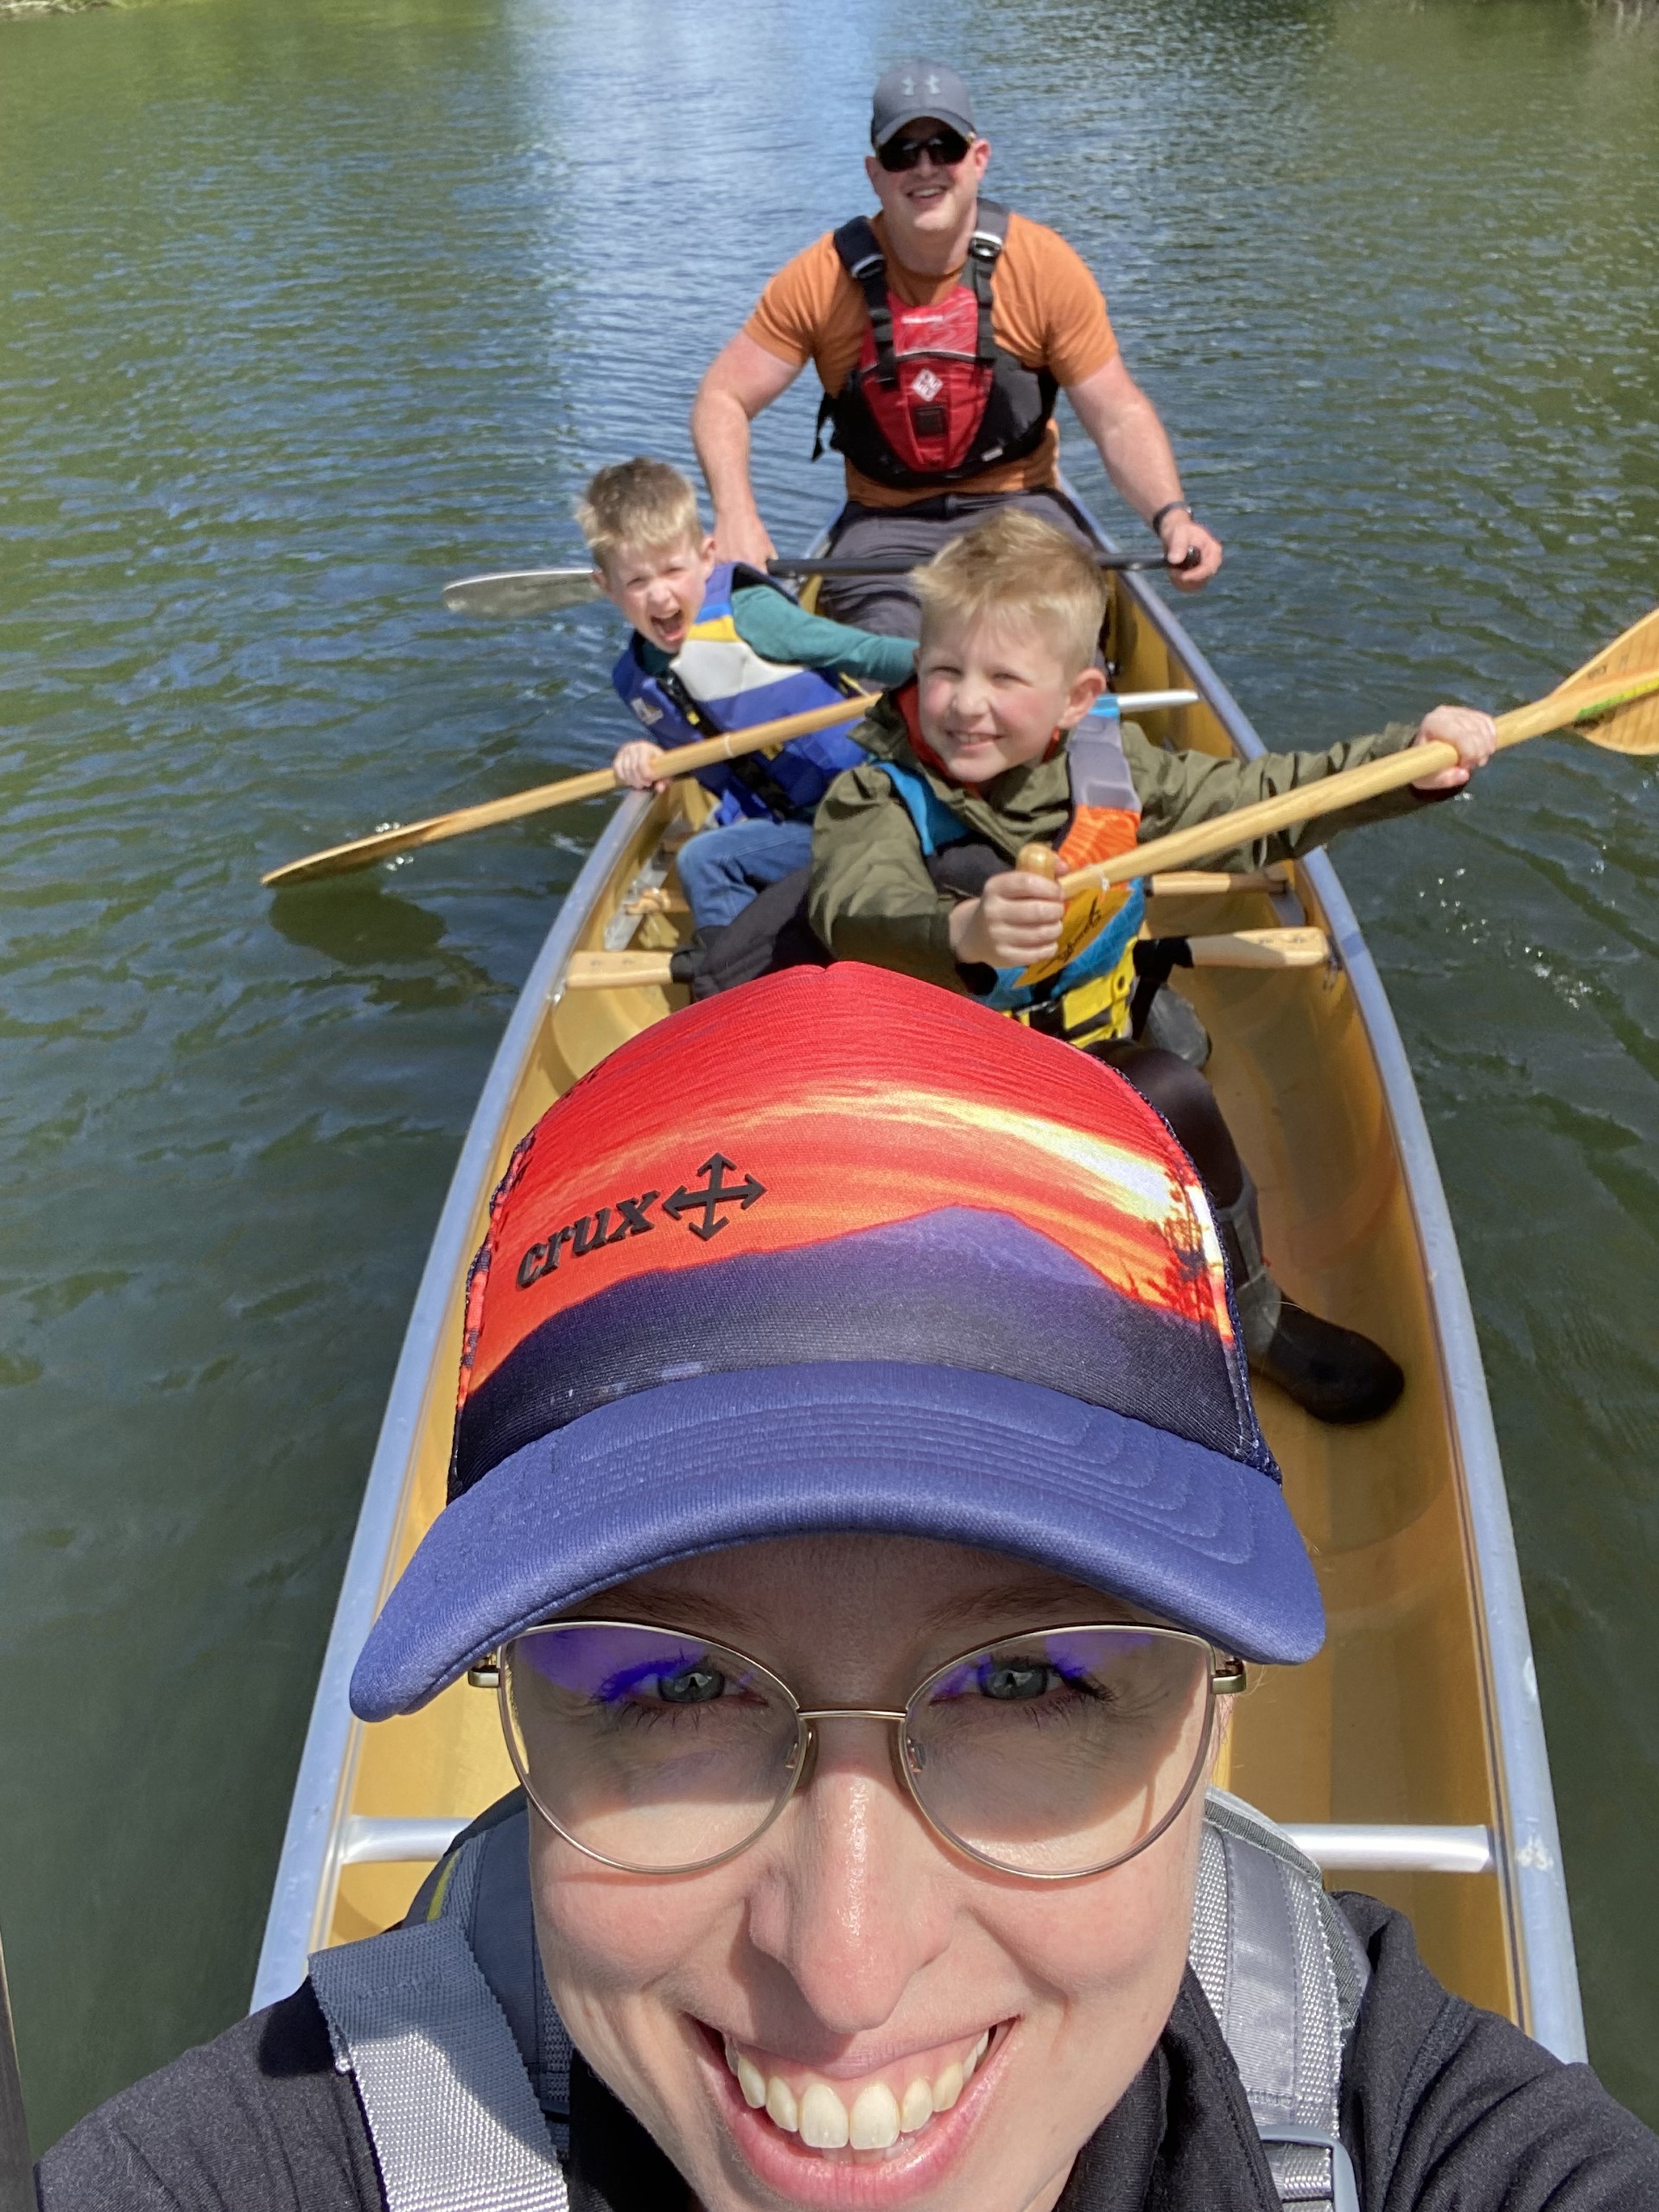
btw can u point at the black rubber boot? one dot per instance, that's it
(1174, 1027)
(1333, 1373)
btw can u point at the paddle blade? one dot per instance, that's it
(522, 591)
(341, 860)
(1631, 728)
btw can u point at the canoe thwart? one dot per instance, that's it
(1198, 883)
(366, 1841)
(1287, 948)
(616, 971)
(1377, 1847)
(1396, 1849)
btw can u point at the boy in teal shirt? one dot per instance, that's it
(717, 646)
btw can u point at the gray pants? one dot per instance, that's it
(886, 604)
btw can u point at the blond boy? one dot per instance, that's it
(914, 851)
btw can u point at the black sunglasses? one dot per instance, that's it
(944, 150)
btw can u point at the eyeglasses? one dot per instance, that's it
(1053, 1754)
(944, 150)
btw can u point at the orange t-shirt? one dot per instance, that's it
(1045, 308)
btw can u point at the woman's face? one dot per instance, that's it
(849, 1949)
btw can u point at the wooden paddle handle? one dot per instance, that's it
(1039, 859)
(1246, 824)
(680, 761)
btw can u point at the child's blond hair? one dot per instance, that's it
(1018, 565)
(640, 503)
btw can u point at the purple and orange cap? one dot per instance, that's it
(841, 1251)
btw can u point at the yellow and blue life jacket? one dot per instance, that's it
(718, 682)
(1084, 991)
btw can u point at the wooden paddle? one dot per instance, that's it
(683, 760)
(1614, 700)
(550, 591)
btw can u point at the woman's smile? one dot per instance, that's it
(821, 2136)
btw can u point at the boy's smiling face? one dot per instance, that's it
(659, 587)
(992, 691)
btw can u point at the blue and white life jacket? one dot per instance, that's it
(717, 681)
(1083, 992)
(462, 2066)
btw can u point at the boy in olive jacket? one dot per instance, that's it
(994, 748)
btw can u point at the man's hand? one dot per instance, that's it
(1015, 922)
(1181, 536)
(743, 537)
(1475, 736)
(640, 765)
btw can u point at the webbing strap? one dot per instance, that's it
(1284, 1976)
(448, 2104)
(861, 256)
(984, 251)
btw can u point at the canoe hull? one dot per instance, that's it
(1419, 1718)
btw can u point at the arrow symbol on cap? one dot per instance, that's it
(719, 1193)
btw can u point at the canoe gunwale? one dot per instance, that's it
(308, 1869)
(1529, 1849)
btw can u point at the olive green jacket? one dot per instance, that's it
(871, 897)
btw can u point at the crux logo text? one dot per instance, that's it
(698, 1210)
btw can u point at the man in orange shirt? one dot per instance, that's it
(942, 331)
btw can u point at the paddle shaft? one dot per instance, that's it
(678, 760)
(550, 591)
(683, 761)
(905, 564)
(1183, 848)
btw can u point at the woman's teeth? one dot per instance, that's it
(878, 2117)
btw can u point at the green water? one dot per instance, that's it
(309, 304)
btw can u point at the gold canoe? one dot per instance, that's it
(1409, 1757)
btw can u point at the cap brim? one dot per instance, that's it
(957, 123)
(951, 1455)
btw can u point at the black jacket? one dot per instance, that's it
(1445, 2110)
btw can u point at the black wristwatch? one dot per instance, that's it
(1169, 507)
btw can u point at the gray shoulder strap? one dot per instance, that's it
(1284, 1975)
(483, 1888)
(450, 2107)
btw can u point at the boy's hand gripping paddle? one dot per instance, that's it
(1613, 700)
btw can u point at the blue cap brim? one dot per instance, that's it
(952, 1454)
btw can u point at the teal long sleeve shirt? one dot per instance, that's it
(778, 629)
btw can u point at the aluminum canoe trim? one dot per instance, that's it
(311, 1853)
(1529, 1849)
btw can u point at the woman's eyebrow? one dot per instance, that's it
(671, 1608)
(1034, 1596)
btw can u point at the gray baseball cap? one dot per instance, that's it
(914, 88)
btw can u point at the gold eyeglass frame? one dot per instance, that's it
(1225, 1678)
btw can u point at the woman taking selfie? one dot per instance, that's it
(869, 1558)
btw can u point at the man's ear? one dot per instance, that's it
(979, 155)
(1086, 687)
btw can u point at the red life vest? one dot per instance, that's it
(932, 397)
